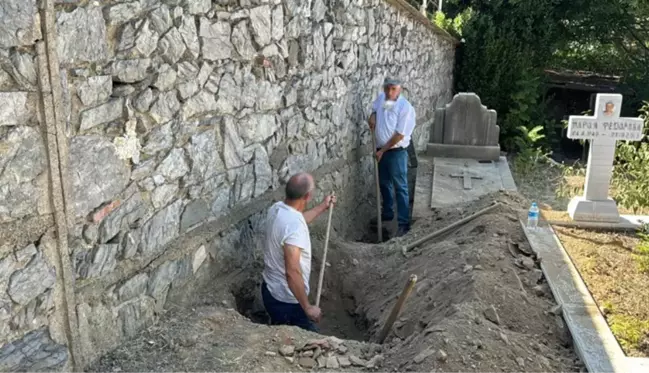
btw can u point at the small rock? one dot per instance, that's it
(467, 268)
(287, 350)
(322, 362)
(313, 343)
(478, 267)
(307, 362)
(528, 263)
(335, 340)
(556, 310)
(492, 315)
(441, 356)
(563, 331)
(356, 361)
(545, 363)
(504, 337)
(535, 276)
(289, 359)
(342, 349)
(520, 361)
(328, 264)
(423, 355)
(355, 262)
(344, 361)
(317, 352)
(332, 363)
(270, 353)
(375, 362)
(541, 290)
(308, 353)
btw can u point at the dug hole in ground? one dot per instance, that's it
(480, 304)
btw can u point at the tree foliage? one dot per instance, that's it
(507, 45)
(608, 37)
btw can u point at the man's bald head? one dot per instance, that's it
(299, 185)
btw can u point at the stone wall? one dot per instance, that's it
(170, 127)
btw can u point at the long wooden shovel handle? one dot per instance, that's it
(396, 310)
(379, 223)
(324, 254)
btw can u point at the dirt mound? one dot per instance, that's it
(480, 304)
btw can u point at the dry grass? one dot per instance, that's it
(614, 266)
(609, 265)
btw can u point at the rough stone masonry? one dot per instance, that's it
(125, 125)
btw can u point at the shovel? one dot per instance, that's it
(324, 255)
(379, 223)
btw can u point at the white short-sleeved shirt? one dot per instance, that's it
(285, 225)
(399, 118)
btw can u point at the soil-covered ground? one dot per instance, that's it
(480, 304)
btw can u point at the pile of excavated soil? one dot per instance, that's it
(480, 304)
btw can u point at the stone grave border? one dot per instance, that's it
(593, 340)
(627, 222)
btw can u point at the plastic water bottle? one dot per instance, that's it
(533, 216)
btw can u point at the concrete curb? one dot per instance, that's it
(593, 339)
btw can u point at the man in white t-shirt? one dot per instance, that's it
(392, 121)
(287, 255)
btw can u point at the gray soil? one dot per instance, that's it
(480, 304)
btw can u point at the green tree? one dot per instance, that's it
(507, 45)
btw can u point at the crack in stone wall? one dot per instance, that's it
(175, 124)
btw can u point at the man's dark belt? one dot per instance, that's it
(399, 149)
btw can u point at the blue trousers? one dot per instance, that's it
(393, 178)
(285, 313)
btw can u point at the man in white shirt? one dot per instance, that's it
(392, 121)
(287, 255)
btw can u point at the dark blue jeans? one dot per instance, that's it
(285, 313)
(393, 177)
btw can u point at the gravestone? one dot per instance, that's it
(457, 181)
(465, 128)
(603, 130)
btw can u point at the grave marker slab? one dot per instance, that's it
(446, 191)
(603, 130)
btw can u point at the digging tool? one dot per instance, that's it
(379, 223)
(324, 254)
(450, 227)
(396, 310)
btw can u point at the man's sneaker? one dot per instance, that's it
(402, 231)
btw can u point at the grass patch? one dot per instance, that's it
(630, 331)
(614, 266)
(641, 255)
(611, 265)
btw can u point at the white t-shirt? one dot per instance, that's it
(285, 225)
(398, 118)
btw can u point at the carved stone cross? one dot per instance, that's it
(603, 130)
(467, 176)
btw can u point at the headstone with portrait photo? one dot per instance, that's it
(603, 130)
